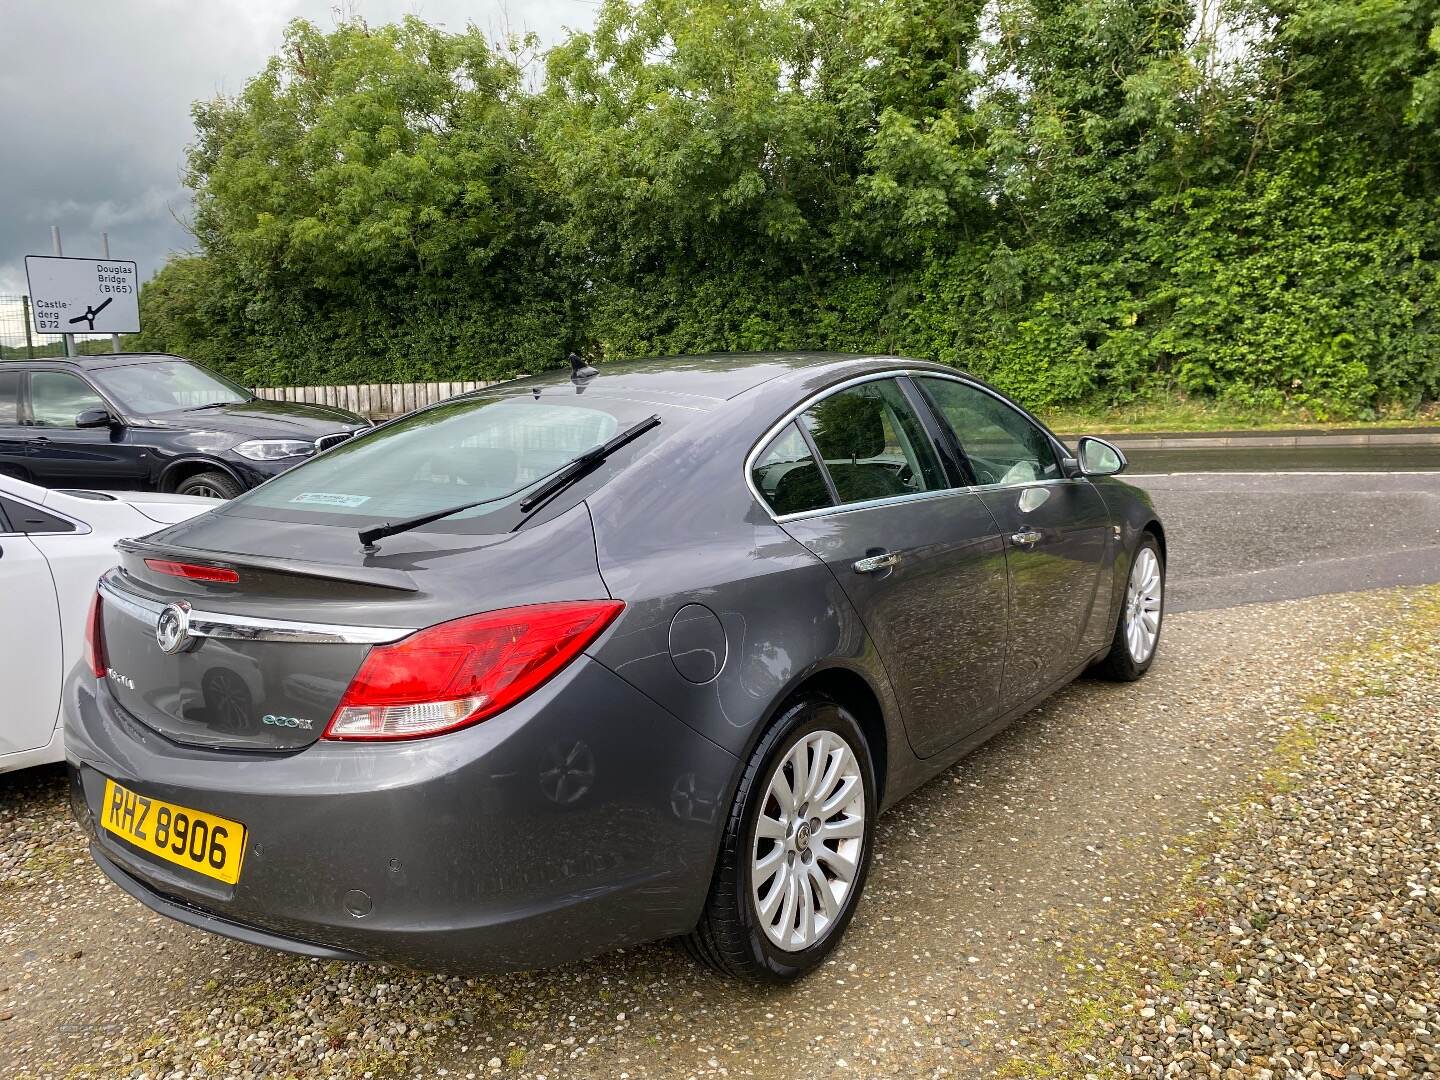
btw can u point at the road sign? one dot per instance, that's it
(83, 296)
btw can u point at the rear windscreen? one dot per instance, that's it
(473, 448)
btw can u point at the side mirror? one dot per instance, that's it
(94, 418)
(1100, 458)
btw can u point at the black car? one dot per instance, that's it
(152, 421)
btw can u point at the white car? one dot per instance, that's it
(53, 547)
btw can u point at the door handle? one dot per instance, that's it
(873, 563)
(1028, 538)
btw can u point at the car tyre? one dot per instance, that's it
(213, 485)
(734, 935)
(1133, 648)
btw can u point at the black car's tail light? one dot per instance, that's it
(458, 673)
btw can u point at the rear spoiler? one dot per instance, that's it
(379, 577)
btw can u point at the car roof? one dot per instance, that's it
(102, 360)
(714, 376)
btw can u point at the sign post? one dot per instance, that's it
(68, 341)
(83, 296)
(29, 343)
(105, 251)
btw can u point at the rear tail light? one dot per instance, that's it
(95, 639)
(193, 571)
(458, 673)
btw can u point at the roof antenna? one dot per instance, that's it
(579, 369)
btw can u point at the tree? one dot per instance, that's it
(1082, 200)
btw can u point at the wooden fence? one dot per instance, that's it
(374, 400)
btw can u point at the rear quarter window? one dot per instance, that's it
(19, 517)
(787, 477)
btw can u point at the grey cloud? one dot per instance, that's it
(95, 106)
(145, 207)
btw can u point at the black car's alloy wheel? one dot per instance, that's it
(212, 485)
(796, 847)
(1137, 630)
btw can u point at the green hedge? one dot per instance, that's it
(1088, 204)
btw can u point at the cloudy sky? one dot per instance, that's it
(95, 105)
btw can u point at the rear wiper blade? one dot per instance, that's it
(571, 471)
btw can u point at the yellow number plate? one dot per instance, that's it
(209, 845)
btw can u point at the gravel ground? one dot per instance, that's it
(1308, 942)
(997, 892)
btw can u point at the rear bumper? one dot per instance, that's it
(204, 920)
(583, 819)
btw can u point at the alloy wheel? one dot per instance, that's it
(808, 839)
(1143, 605)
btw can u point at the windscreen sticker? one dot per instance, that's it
(326, 498)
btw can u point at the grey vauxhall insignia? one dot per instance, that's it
(591, 659)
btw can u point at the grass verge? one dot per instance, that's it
(1179, 415)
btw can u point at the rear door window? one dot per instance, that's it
(787, 476)
(872, 443)
(9, 397)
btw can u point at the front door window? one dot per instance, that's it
(57, 398)
(1003, 446)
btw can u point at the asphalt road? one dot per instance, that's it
(1240, 537)
(1269, 459)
